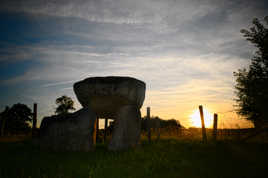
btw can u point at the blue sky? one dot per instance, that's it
(185, 51)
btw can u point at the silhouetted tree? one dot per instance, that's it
(157, 122)
(16, 119)
(65, 104)
(252, 84)
(3, 118)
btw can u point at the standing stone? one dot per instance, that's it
(127, 128)
(71, 132)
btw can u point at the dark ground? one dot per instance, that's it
(165, 158)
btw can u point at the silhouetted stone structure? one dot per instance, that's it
(117, 98)
(71, 132)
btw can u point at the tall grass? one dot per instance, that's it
(196, 134)
(168, 157)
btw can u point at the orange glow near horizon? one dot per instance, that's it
(196, 120)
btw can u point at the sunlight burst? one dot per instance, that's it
(196, 121)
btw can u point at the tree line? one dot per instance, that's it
(157, 122)
(18, 118)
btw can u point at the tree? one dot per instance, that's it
(16, 119)
(65, 104)
(157, 122)
(3, 118)
(252, 83)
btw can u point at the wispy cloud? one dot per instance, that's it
(185, 50)
(57, 83)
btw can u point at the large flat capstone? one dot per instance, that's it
(106, 95)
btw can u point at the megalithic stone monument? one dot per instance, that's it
(117, 98)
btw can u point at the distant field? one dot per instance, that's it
(8, 139)
(167, 158)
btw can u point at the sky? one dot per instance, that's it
(184, 50)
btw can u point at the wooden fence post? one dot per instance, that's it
(148, 124)
(3, 125)
(215, 126)
(158, 130)
(204, 135)
(34, 116)
(34, 120)
(97, 130)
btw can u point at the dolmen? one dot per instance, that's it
(117, 98)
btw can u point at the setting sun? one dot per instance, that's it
(196, 121)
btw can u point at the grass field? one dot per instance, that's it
(165, 158)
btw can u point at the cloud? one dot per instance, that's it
(57, 83)
(165, 12)
(185, 50)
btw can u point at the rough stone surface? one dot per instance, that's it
(106, 95)
(127, 128)
(72, 132)
(118, 98)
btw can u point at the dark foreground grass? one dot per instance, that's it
(164, 159)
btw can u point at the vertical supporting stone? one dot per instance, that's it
(204, 135)
(215, 126)
(148, 117)
(127, 128)
(105, 128)
(95, 131)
